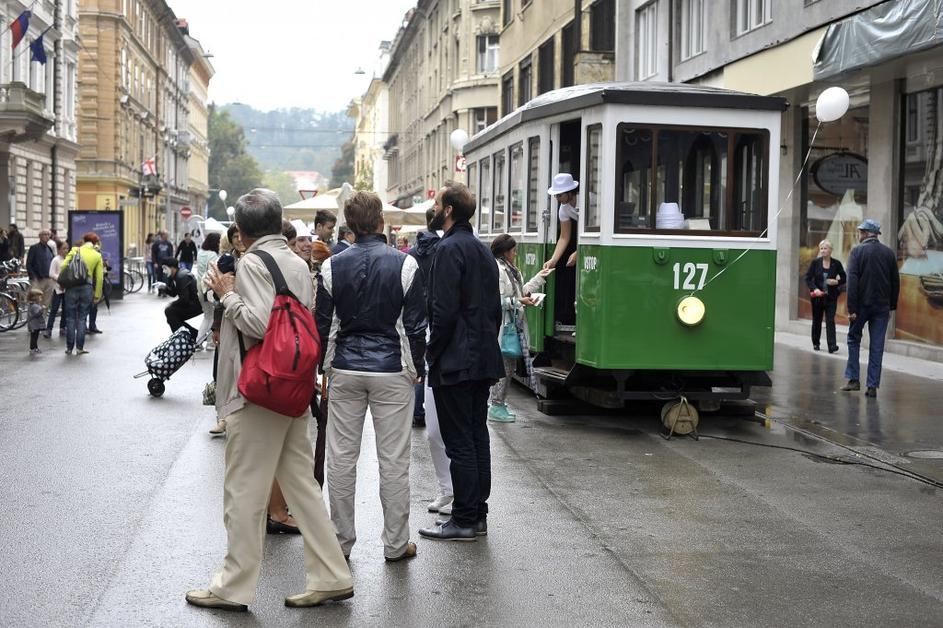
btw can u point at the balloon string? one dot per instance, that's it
(776, 217)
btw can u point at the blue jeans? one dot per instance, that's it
(78, 301)
(877, 330)
(419, 409)
(150, 275)
(58, 300)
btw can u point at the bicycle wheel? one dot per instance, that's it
(22, 305)
(9, 313)
(138, 280)
(127, 282)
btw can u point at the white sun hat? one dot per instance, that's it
(563, 182)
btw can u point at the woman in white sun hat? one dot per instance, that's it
(566, 191)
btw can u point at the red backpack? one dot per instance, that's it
(279, 373)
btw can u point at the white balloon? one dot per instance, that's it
(223, 195)
(458, 138)
(230, 210)
(831, 104)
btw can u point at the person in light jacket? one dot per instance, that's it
(515, 295)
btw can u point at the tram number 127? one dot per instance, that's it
(689, 272)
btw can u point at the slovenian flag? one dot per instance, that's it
(19, 26)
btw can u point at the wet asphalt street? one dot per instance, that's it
(112, 508)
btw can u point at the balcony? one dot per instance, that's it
(22, 116)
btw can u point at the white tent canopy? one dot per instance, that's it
(211, 225)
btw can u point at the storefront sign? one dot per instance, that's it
(109, 227)
(840, 172)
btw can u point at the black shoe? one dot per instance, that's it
(277, 527)
(833, 349)
(481, 528)
(871, 392)
(852, 384)
(815, 347)
(93, 331)
(419, 421)
(449, 531)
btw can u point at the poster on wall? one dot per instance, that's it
(109, 226)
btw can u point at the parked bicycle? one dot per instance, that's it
(14, 292)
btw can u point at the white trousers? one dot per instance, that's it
(391, 399)
(260, 445)
(440, 460)
(207, 325)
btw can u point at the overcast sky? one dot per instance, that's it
(291, 53)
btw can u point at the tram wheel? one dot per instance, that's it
(156, 387)
(679, 417)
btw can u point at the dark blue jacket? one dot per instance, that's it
(38, 260)
(371, 299)
(464, 300)
(873, 278)
(340, 247)
(426, 243)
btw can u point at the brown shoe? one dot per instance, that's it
(317, 598)
(206, 599)
(409, 552)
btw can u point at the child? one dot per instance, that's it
(36, 319)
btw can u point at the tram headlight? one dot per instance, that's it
(691, 311)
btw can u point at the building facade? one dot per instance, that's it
(881, 160)
(38, 118)
(443, 75)
(552, 44)
(134, 98)
(372, 115)
(197, 137)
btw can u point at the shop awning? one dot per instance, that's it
(883, 32)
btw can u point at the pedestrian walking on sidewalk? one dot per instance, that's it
(825, 279)
(161, 249)
(262, 444)
(464, 306)
(58, 296)
(370, 309)
(79, 299)
(36, 318)
(38, 261)
(186, 252)
(515, 295)
(873, 288)
(149, 261)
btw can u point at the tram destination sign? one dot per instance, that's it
(839, 172)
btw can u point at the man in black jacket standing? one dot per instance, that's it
(873, 288)
(464, 358)
(38, 261)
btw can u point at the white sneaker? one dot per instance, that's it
(439, 503)
(446, 510)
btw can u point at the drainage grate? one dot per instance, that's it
(926, 454)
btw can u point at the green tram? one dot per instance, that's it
(641, 153)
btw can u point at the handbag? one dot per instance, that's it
(510, 340)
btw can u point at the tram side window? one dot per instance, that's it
(750, 184)
(690, 180)
(473, 183)
(485, 203)
(500, 200)
(517, 186)
(633, 178)
(533, 189)
(593, 172)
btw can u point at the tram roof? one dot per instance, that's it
(580, 97)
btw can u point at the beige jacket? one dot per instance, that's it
(248, 308)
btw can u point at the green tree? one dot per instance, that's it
(231, 168)
(282, 183)
(343, 170)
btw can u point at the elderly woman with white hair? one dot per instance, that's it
(825, 279)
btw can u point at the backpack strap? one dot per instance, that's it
(281, 287)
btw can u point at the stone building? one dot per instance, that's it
(197, 136)
(38, 118)
(551, 44)
(882, 160)
(443, 75)
(134, 98)
(372, 114)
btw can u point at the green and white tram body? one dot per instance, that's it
(716, 155)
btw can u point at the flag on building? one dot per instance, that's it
(37, 50)
(149, 168)
(19, 26)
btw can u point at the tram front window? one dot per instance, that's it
(691, 188)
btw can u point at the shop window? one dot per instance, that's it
(500, 200)
(920, 237)
(485, 204)
(593, 171)
(533, 184)
(691, 189)
(517, 187)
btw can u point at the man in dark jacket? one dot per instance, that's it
(372, 319)
(181, 284)
(464, 358)
(426, 242)
(873, 288)
(345, 237)
(38, 261)
(186, 252)
(161, 249)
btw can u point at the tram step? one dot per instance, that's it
(569, 339)
(550, 372)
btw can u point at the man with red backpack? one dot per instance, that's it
(268, 354)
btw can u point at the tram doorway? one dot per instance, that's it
(568, 160)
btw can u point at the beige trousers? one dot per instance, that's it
(391, 399)
(260, 445)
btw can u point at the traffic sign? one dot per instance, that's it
(185, 212)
